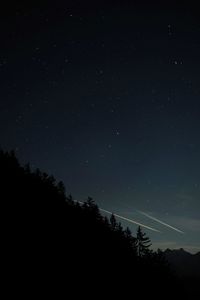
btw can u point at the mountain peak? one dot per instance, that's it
(185, 263)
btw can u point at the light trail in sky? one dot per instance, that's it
(125, 219)
(159, 221)
(129, 220)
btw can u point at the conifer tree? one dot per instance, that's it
(143, 243)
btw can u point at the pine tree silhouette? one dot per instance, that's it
(143, 243)
(113, 222)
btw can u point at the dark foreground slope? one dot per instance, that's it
(52, 245)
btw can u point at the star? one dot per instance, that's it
(117, 132)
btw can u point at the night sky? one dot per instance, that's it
(107, 99)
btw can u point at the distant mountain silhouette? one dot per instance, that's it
(187, 267)
(183, 262)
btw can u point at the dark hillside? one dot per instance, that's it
(52, 244)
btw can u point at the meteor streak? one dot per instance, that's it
(129, 220)
(125, 219)
(161, 222)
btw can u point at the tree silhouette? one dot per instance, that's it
(90, 207)
(143, 243)
(70, 199)
(131, 240)
(113, 222)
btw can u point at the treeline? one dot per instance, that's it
(53, 243)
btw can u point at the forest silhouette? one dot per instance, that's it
(53, 245)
